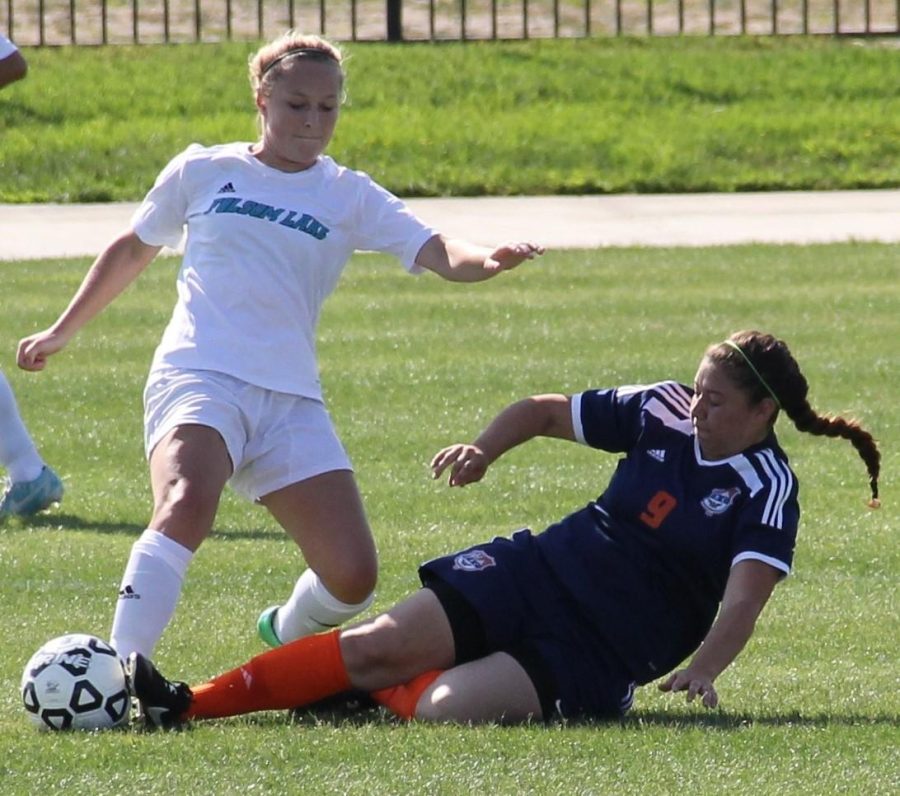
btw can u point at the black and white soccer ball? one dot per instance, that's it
(76, 682)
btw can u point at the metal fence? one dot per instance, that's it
(57, 22)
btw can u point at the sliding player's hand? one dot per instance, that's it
(467, 464)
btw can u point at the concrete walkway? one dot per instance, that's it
(38, 231)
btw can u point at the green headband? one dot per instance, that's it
(752, 367)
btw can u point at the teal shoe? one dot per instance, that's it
(29, 497)
(265, 626)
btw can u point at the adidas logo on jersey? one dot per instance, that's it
(226, 188)
(657, 453)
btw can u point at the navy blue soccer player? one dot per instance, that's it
(669, 567)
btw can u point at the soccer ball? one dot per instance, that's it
(76, 682)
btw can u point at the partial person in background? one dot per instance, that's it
(233, 393)
(31, 485)
(662, 577)
(13, 66)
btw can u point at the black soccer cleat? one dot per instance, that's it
(161, 703)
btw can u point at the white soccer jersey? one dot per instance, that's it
(7, 48)
(263, 250)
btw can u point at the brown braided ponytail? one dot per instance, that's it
(763, 367)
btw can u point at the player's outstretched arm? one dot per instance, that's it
(116, 268)
(538, 416)
(749, 587)
(461, 261)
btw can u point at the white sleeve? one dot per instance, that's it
(385, 224)
(7, 48)
(160, 219)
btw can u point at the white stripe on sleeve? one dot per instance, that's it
(575, 403)
(781, 483)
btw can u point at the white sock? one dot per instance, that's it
(312, 609)
(151, 586)
(17, 451)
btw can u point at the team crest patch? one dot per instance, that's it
(473, 561)
(719, 500)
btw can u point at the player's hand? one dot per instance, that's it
(467, 464)
(508, 256)
(695, 685)
(34, 350)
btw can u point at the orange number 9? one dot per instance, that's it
(658, 508)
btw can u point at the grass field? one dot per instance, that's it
(539, 117)
(410, 365)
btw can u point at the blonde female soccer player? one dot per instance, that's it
(233, 393)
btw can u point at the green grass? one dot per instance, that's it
(566, 116)
(410, 365)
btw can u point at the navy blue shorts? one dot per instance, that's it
(502, 597)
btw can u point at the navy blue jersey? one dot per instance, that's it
(649, 559)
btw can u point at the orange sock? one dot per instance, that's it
(296, 674)
(402, 699)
